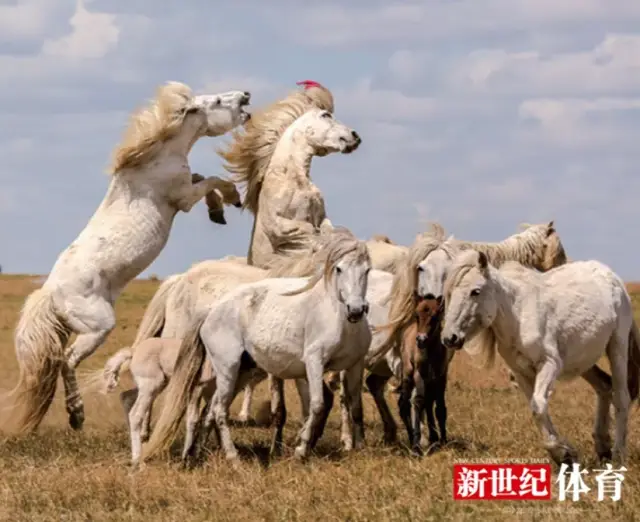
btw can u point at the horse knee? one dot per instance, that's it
(316, 407)
(538, 406)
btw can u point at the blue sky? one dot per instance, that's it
(480, 114)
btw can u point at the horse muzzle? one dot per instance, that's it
(421, 341)
(453, 341)
(356, 313)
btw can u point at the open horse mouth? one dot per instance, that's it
(245, 102)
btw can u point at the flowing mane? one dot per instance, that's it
(306, 262)
(537, 246)
(150, 126)
(335, 245)
(248, 156)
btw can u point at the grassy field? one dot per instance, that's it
(60, 475)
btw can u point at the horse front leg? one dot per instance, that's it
(92, 319)
(429, 402)
(352, 389)
(315, 371)
(418, 409)
(441, 406)
(188, 193)
(404, 405)
(328, 398)
(560, 451)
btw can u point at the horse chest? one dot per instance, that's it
(309, 205)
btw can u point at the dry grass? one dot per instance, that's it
(61, 475)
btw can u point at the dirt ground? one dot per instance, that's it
(60, 475)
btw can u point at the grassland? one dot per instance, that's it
(60, 475)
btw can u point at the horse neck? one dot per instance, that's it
(507, 294)
(324, 292)
(292, 156)
(193, 128)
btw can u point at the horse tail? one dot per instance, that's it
(154, 316)
(633, 362)
(40, 338)
(186, 375)
(118, 362)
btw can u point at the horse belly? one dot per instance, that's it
(282, 364)
(584, 355)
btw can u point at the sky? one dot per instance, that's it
(478, 114)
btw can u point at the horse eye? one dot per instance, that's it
(420, 269)
(475, 292)
(325, 115)
(338, 270)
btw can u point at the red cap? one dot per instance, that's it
(309, 83)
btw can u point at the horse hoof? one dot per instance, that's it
(605, 456)
(389, 439)
(416, 450)
(300, 454)
(76, 420)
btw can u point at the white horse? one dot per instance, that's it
(292, 328)
(547, 326)
(151, 182)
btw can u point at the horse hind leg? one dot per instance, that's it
(192, 422)
(376, 384)
(617, 352)
(245, 410)
(279, 412)
(601, 382)
(93, 320)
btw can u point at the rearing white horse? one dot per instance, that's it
(151, 182)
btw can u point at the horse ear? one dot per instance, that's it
(550, 228)
(483, 262)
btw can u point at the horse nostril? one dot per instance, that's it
(355, 135)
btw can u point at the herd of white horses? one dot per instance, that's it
(310, 302)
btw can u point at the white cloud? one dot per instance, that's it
(612, 66)
(569, 122)
(383, 104)
(27, 19)
(406, 65)
(332, 24)
(93, 35)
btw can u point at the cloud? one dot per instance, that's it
(603, 69)
(479, 114)
(384, 104)
(406, 65)
(93, 35)
(577, 123)
(334, 25)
